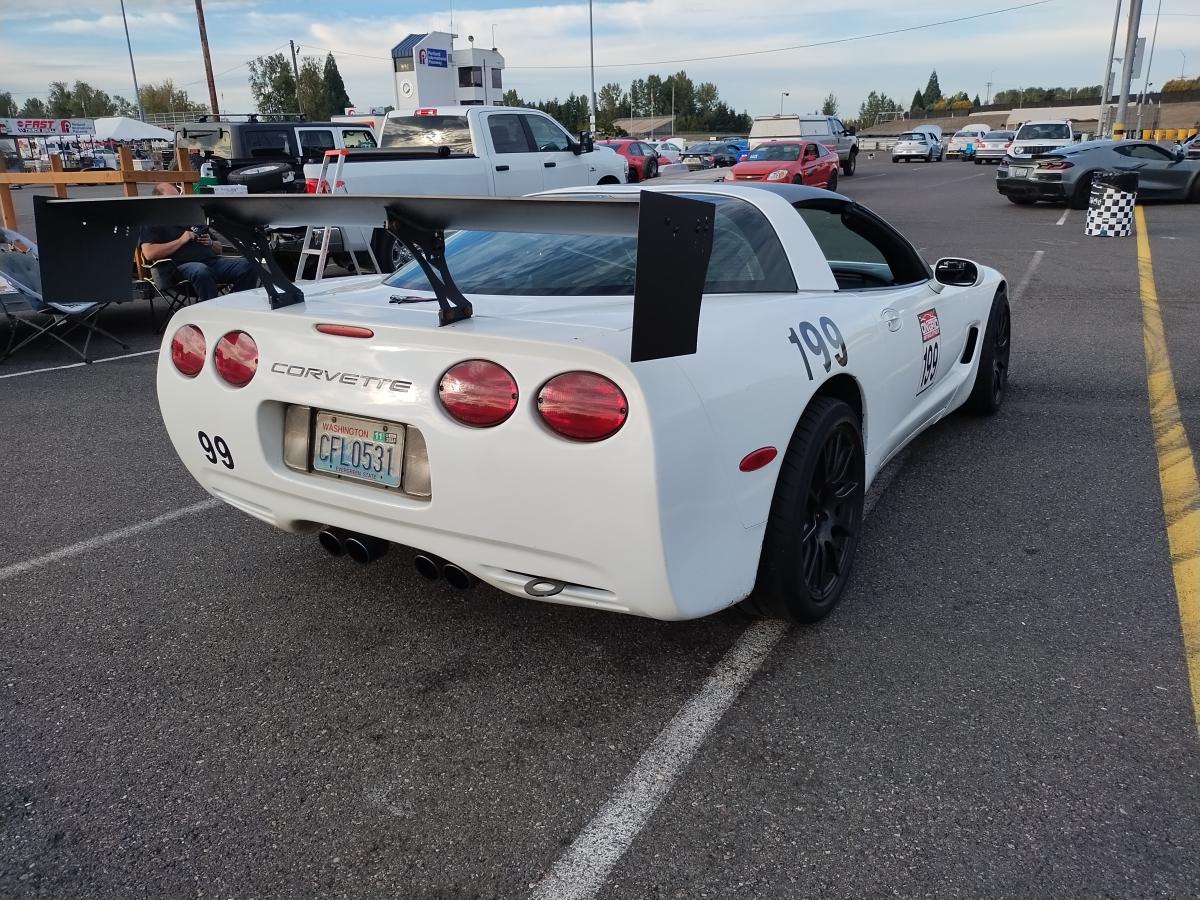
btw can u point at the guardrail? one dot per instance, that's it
(127, 176)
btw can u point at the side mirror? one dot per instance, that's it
(956, 272)
(852, 131)
(586, 143)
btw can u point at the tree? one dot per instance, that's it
(336, 98)
(608, 107)
(975, 103)
(314, 102)
(511, 98)
(164, 97)
(706, 98)
(60, 103)
(918, 102)
(272, 84)
(874, 106)
(933, 90)
(829, 106)
(8, 106)
(34, 108)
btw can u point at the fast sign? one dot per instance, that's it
(47, 126)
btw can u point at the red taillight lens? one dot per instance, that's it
(478, 393)
(1056, 165)
(187, 350)
(236, 358)
(583, 406)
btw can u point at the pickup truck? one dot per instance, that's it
(829, 130)
(461, 151)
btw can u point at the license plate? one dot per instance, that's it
(363, 449)
(1017, 173)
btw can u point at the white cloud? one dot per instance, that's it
(149, 22)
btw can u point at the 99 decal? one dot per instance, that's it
(929, 368)
(215, 449)
(826, 343)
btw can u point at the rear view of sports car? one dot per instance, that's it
(651, 402)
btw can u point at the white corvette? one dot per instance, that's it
(659, 401)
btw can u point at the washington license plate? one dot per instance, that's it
(353, 447)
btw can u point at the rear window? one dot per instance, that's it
(427, 133)
(998, 136)
(814, 127)
(775, 153)
(1048, 131)
(913, 136)
(747, 258)
(205, 138)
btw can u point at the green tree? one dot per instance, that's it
(511, 98)
(608, 107)
(314, 102)
(975, 103)
(875, 105)
(933, 90)
(8, 106)
(164, 98)
(272, 84)
(34, 108)
(60, 103)
(706, 98)
(336, 98)
(829, 106)
(918, 102)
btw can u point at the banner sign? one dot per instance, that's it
(432, 56)
(28, 127)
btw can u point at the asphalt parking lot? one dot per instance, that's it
(999, 708)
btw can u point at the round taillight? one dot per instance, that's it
(583, 406)
(187, 350)
(478, 393)
(236, 358)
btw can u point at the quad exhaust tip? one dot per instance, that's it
(332, 541)
(362, 548)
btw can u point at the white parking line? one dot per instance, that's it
(1063, 218)
(15, 569)
(78, 364)
(582, 869)
(1024, 283)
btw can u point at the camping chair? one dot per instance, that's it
(19, 266)
(164, 281)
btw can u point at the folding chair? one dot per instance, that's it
(165, 282)
(19, 266)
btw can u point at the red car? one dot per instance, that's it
(794, 162)
(643, 159)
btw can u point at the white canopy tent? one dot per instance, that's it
(123, 128)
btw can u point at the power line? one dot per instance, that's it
(231, 68)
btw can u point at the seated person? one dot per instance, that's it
(195, 255)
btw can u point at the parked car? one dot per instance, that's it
(923, 143)
(796, 162)
(1191, 146)
(968, 134)
(1065, 175)
(736, 141)
(535, 440)
(643, 159)
(267, 156)
(993, 146)
(829, 130)
(462, 151)
(1035, 138)
(708, 155)
(668, 152)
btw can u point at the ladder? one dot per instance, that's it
(334, 185)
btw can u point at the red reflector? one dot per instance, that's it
(236, 358)
(583, 406)
(478, 392)
(187, 350)
(355, 331)
(756, 459)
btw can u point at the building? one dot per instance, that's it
(429, 71)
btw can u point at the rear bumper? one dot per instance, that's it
(1032, 188)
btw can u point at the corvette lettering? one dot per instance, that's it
(352, 379)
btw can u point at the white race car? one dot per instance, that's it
(660, 401)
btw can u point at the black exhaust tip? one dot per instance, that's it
(427, 567)
(363, 548)
(457, 577)
(332, 541)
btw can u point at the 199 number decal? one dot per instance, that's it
(826, 343)
(215, 449)
(929, 368)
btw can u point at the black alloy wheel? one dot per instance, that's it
(991, 380)
(832, 521)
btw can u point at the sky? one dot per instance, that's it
(545, 45)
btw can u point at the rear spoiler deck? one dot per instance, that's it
(86, 245)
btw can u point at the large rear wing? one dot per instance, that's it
(86, 246)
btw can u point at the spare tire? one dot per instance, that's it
(263, 177)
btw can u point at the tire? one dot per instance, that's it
(609, 179)
(797, 179)
(831, 185)
(979, 162)
(633, 175)
(651, 169)
(851, 164)
(263, 177)
(991, 379)
(1079, 198)
(390, 252)
(816, 517)
(895, 160)
(1021, 201)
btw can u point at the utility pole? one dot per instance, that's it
(212, 84)
(296, 78)
(1149, 63)
(1105, 87)
(988, 101)
(592, 66)
(137, 93)
(1131, 37)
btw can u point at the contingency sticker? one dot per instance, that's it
(929, 325)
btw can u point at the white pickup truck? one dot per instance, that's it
(469, 151)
